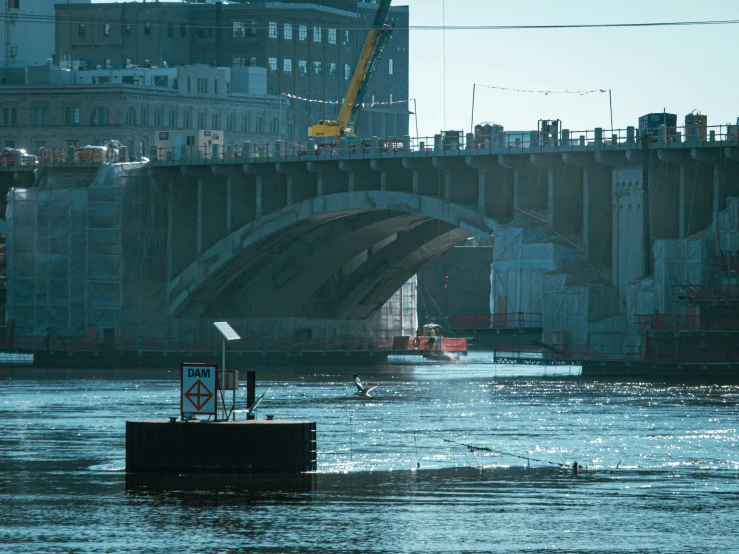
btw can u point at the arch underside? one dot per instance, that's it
(344, 264)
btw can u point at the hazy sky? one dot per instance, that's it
(648, 69)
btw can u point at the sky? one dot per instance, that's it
(646, 69)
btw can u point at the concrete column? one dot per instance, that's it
(564, 195)
(329, 178)
(694, 190)
(597, 213)
(461, 185)
(393, 175)
(495, 188)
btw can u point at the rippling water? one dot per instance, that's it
(662, 465)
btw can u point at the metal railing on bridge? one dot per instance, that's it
(390, 147)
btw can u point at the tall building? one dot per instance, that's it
(27, 31)
(308, 48)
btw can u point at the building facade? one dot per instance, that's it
(27, 31)
(57, 108)
(309, 49)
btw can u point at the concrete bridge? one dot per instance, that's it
(334, 235)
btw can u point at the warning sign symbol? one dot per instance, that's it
(199, 395)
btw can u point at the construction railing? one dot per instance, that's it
(245, 345)
(660, 323)
(517, 320)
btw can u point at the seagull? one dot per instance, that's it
(252, 411)
(363, 391)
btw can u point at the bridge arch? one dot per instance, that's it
(339, 256)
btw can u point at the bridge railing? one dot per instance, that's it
(462, 144)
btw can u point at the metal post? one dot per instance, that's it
(610, 101)
(251, 390)
(415, 113)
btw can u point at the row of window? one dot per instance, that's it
(134, 118)
(241, 29)
(287, 68)
(287, 33)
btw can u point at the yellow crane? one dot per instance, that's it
(377, 38)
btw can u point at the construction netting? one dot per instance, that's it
(68, 268)
(679, 265)
(524, 251)
(575, 296)
(728, 227)
(399, 315)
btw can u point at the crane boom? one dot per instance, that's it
(377, 37)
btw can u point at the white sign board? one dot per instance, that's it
(198, 389)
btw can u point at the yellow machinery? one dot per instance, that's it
(377, 38)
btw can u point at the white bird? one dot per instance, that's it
(252, 410)
(363, 391)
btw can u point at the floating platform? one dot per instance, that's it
(223, 447)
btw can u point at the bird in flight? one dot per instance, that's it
(363, 391)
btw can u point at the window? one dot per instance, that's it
(186, 120)
(287, 66)
(239, 61)
(129, 29)
(102, 80)
(317, 34)
(147, 29)
(245, 123)
(158, 118)
(201, 120)
(347, 37)
(251, 30)
(108, 63)
(332, 70)
(147, 62)
(275, 127)
(302, 32)
(216, 121)
(10, 116)
(131, 117)
(287, 32)
(302, 68)
(160, 80)
(239, 29)
(273, 33)
(40, 116)
(347, 72)
(71, 116)
(259, 124)
(391, 66)
(273, 65)
(317, 69)
(106, 29)
(144, 116)
(332, 36)
(230, 122)
(172, 119)
(170, 29)
(14, 4)
(202, 85)
(81, 30)
(129, 80)
(189, 85)
(99, 116)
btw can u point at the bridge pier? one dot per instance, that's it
(301, 183)
(427, 180)
(694, 201)
(271, 188)
(329, 178)
(597, 221)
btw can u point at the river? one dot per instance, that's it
(661, 466)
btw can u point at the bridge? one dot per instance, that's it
(155, 248)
